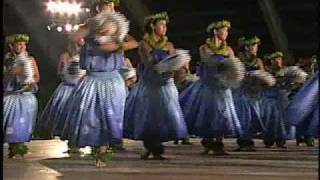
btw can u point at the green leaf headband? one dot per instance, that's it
(273, 55)
(276, 55)
(251, 41)
(156, 17)
(218, 25)
(247, 42)
(19, 38)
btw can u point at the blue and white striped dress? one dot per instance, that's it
(19, 108)
(208, 105)
(53, 118)
(96, 109)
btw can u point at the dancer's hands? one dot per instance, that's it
(110, 46)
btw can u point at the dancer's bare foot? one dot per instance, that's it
(100, 163)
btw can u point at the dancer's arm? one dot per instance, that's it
(81, 33)
(260, 64)
(130, 43)
(171, 48)
(36, 74)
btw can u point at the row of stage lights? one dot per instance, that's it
(62, 13)
(60, 28)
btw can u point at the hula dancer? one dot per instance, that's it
(303, 111)
(208, 104)
(153, 112)
(275, 99)
(183, 79)
(52, 119)
(19, 103)
(128, 72)
(97, 106)
(245, 97)
(248, 54)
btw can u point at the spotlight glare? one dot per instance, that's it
(64, 7)
(68, 27)
(76, 27)
(52, 6)
(49, 28)
(59, 29)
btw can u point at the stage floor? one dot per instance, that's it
(46, 161)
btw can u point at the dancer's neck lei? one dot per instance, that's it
(151, 40)
(249, 60)
(223, 49)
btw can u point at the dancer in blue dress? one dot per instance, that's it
(248, 53)
(97, 107)
(19, 102)
(303, 111)
(183, 79)
(153, 113)
(276, 99)
(52, 121)
(246, 95)
(128, 72)
(208, 104)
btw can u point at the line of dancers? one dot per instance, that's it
(102, 98)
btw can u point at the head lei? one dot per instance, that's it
(243, 41)
(218, 25)
(148, 37)
(223, 49)
(156, 17)
(17, 38)
(275, 55)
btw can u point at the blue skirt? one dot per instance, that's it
(19, 116)
(95, 116)
(248, 111)
(304, 102)
(153, 111)
(303, 111)
(52, 121)
(272, 111)
(209, 111)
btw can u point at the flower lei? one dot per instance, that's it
(222, 50)
(249, 60)
(160, 44)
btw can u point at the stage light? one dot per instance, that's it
(49, 28)
(51, 6)
(87, 10)
(68, 27)
(59, 29)
(76, 27)
(64, 7)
